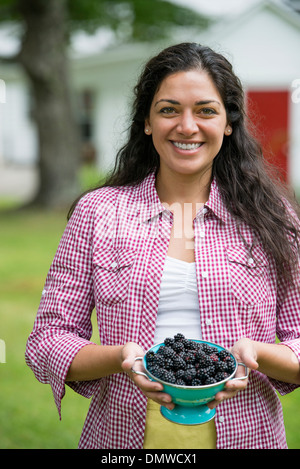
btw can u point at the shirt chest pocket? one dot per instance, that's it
(249, 274)
(112, 273)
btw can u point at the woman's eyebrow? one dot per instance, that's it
(171, 101)
(207, 101)
(198, 103)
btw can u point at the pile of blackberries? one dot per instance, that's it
(182, 361)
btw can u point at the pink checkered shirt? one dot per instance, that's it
(111, 257)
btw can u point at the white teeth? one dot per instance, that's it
(187, 146)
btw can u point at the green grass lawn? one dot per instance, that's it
(28, 415)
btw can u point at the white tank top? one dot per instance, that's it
(178, 308)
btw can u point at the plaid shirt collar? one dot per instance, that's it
(151, 206)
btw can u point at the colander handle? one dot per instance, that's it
(139, 372)
(246, 373)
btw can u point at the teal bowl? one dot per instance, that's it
(190, 401)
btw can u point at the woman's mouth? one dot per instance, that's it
(187, 146)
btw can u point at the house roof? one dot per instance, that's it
(261, 43)
(217, 8)
(229, 23)
(220, 29)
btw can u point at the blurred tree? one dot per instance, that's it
(45, 30)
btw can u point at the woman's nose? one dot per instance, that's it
(188, 125)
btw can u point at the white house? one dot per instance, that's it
(18, 143)
(263, 43)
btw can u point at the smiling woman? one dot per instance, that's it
(231, 277)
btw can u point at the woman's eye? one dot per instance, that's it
(168, 110)
(207, 111)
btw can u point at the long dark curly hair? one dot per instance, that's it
(250, 193)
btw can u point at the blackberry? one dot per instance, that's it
(196, 382)
(168, 364)
(202, 359)
(178, 363)
(157, 371)
(214, 357)
(202, 375)
(200, 354)
(187, 344)
(189, 357)
(189, 375)
(169, 376)
(168, 352)
(230, 365)
(208, 349)
(180, 382)
(210, 370)
(210, 361)
(169, 341)
(150, 356)
(223, 354)
(190, 365)
(179, 337)
(228, 359)
(158, 360)
(220, 366)
(221, 375)
(210, 380)
(179, 374)
(178, 347)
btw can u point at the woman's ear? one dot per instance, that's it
(148, 130)
(228, 130)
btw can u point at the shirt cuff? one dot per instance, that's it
(59, 361)
(282, 387)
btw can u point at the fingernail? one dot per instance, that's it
(170, 406)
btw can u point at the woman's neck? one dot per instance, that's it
(182, 189)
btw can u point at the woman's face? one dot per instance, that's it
(187, 122)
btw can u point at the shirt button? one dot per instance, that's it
(250, 261)
(205, 274)
(221, 418)
(202, 234)
(113, 265)
(208, 322)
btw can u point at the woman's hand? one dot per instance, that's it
(244, 351)
(151, 389)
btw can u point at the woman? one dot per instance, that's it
(190, 235)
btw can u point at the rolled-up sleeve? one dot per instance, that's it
(63, 322)
(288, 324)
